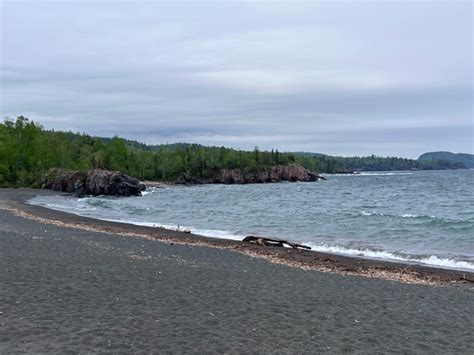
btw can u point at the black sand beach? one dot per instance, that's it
(100, 287)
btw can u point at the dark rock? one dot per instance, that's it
(92, 182)
(276, 173)
(187, 179)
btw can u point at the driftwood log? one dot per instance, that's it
(273, 242)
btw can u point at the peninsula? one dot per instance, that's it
(28, 152)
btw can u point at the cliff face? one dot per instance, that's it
(277, 173)
(273, 174)
(92, 182)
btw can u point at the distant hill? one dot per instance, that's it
(153, 147)
(377, 163)
(27, 151)
(463, 158)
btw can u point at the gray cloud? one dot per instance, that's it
(340, 78)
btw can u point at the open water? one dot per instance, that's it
(424, 217)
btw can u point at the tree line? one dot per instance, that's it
(27, 151)
(377, 163)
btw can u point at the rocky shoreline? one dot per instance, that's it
(103, 182)
(272, 174)
(92, 182)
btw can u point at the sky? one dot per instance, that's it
(391, 78)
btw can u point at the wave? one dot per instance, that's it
(428, 220)
(96, 202)
(405, 215)
(71, 209)
(89, 210)
(364, 213)
(429, 260)
(365, 173)
(383, 173)
(211, 233)
(150, 191)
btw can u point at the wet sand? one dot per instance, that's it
(103, 286)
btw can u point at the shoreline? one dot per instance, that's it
(72, 284)
(15, 200)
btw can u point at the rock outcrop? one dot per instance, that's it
(276, 173)
(92, 182)
(272, 174)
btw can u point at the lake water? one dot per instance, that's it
(425, 217)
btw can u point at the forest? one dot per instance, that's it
(27, 151)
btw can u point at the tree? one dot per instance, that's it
(257, 155)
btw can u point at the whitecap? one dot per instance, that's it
(429, 260)
(374, 213)
(383, 174)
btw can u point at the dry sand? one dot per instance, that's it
(85, 290)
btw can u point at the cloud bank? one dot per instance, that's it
(389, 78)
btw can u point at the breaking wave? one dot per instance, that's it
(405, 215)
(429, 260)
(384, 173)
(425, 218)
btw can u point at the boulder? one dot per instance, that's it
(92, 182)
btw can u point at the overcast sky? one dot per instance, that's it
(341, 78)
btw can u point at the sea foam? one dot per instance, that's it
(429, 260)
(423, 218)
